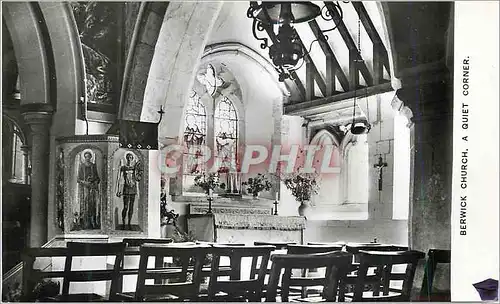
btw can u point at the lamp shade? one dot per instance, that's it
(288, 12)
(360, 127)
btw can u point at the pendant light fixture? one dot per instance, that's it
(277, 19)
(361, 126)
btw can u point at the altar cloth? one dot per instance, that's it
(246, 228)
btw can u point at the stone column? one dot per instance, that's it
(39, 123)
(430, 210)
(26, 173)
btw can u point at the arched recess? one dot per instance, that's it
(330, 179)
(355, 177)
(30, 49)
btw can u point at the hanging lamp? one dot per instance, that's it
(277, 18)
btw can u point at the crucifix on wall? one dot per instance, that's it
(380, 165)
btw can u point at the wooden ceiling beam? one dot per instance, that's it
(353, 50)
(333, 67)
(325, 104)
(312, 73)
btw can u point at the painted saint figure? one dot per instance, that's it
(88, 180)
(128, 177)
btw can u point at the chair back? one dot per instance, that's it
(337, 265)
(277, 245)
(383, 262)
(237, 287)
(180, 280)
(356, 248)
(78, 249)
(138, 242)
(317, 248)
(308, 249)
(434, 257)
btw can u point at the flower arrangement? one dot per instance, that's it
(302, 185)
(257, 184)
(208, 182)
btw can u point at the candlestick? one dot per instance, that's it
(275, 207)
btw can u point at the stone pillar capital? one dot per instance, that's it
(39, 122)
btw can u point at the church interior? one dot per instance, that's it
(181, 131)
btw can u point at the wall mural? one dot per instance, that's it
(87, 198)
(99, 26)
(128, 194)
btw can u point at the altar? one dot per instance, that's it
(246, 228)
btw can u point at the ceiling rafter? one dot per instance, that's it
(356, 62)
(333, 67)
(380, 56)
(312, 74)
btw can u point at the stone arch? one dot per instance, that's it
(21, 20)
(47, 49)
(238, 49)
(69, 65)
(388, 38)
(181, 41)
(318, 137)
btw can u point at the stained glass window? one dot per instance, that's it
(226, 135)
(195, 133)
(210, 80)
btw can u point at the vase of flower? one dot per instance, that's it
(303, 208)
(302, 186)
(255, 185)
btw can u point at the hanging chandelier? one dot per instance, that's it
(277, 18)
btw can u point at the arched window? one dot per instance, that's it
(195, 136)
(226, 134)
(211, 121)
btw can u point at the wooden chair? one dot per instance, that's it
(180, 282)
(385, 261)
(76, 249)
(355, 248)
(434, 257)
(277, 246)
(138, 242)
(237, 288)
(309, 249)
(337, 266)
